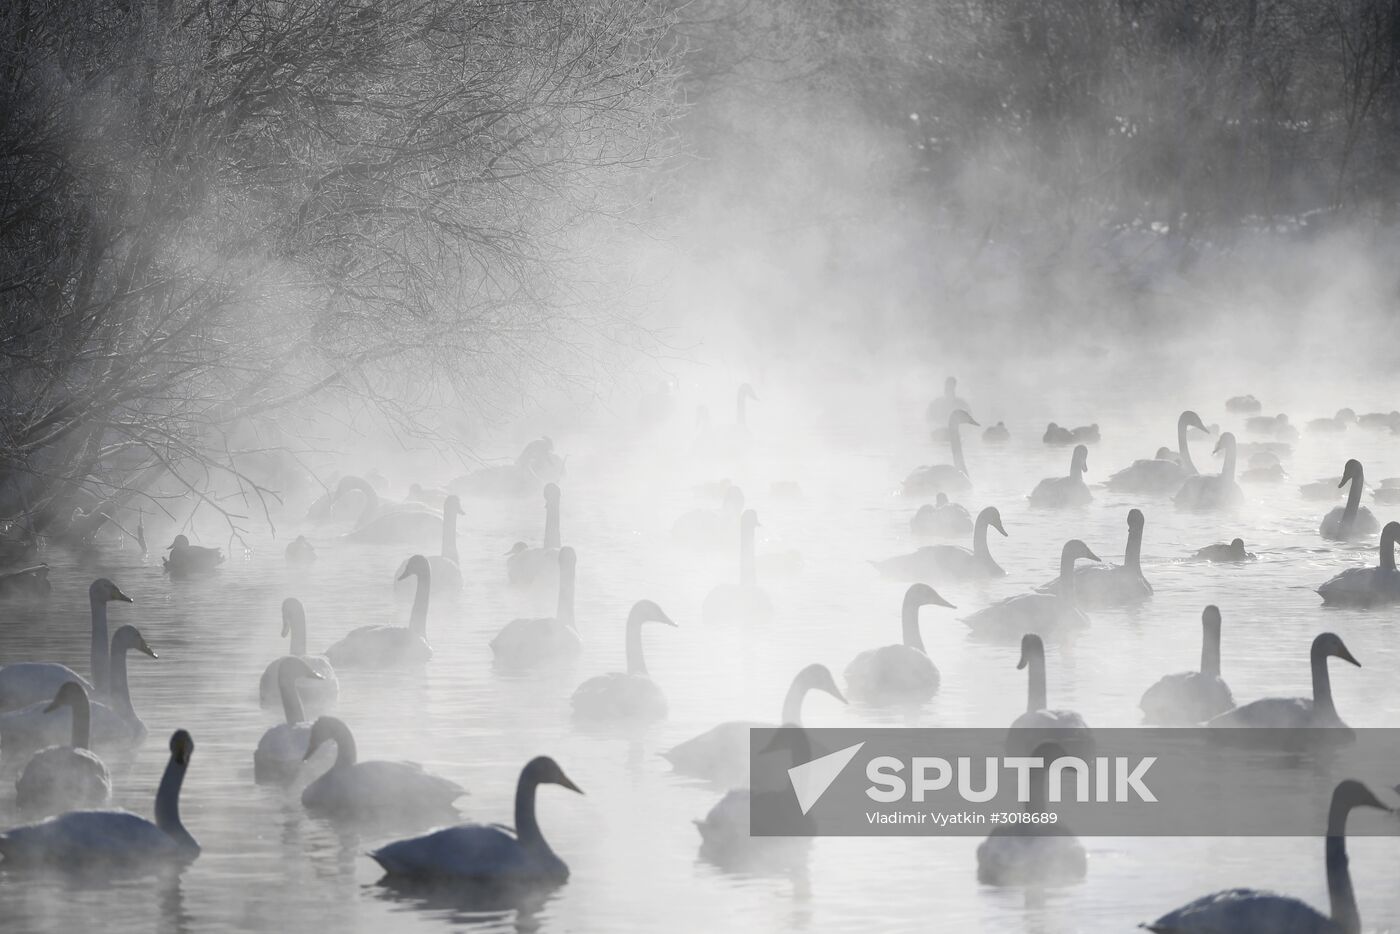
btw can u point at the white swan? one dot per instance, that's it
(941, 519)
(64, 778)
(113, 724)
(710, 528)
(1222, 552)
(1105, 585)
(996, 434)
(945, 405)
(1208, 494)
(282, 749)
(1046, 612)
(391, 646)
(1337, 423)
(1352, 521)
(525, 643)
(939, 562)
(1024, 854)
(1059, 435)
(111, 839)
(528, 567)
(374, 790)
(943, 478)
(1297, 713)
(1243, 405)
(629, 695)
(26, 683)
(186, 560)
(1190, 697)
(1161, 475)
(381, 521)
(901, 672)
(744, 602)
(536, 465)
(322, 692)
(1277, 426)
(1039, 722)
(721, 753)
(487, 854)
(1368, 586)
(1251, 911)
(1061, 492)
(446, 567)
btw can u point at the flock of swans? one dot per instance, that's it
(58, 721)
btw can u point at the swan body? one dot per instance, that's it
(725, 839)
(996, 434)
(943, 478)
(26, 683)
(1040, 611)
(1221, 552)
(941, 519)
(1296, 713)
(65, 778)
(31, 582)
(1023, 854)
(526, 643)
(446, 567)
(1352, 521)
(1271, 474)
(1105, 585)
(1058, 435)
(354, 790)
(710, 528)
(528, 567)
(410, 527)
(1277, 426)
(1211, 494)
(1164, 473)
(319, 693)
(1338, 423)
(1190, 697)
(391, 646)
(1061, 492)
(1368, 586)
(902, 672)
(1243, 405)
(1064, 726)
(1324, 489)
(282, 749)
(536, 465)
(186, 560)
(937, 562)
(300, 552)
(744, 602)
(629, 695)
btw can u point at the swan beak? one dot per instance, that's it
(118, 595)
(835, 692)
(564, 781)
(148, 650)
(1022, 663)
(399, 578)
(1216, 449)
(1346, 656)
(939, 601)
(997, 525)
(663, 618)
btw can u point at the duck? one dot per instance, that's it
(744, 602)
(371, 791)
(900, 673)
(949, 561)
(1162, 474)
(65, 778)
(492, 855)
(940, 409)
(186, 560)
(322, 692)
(26, 683)
(300, 552)
(446, 568)
(79, 840)
(25, 583)
(282, 749)
(528, 567)
(943, 478)
(1296, 713)
(1222, 553)
(1251, 911)
(1046, 612)
(1368, 586)
(1066, 726)
(1023, 854)
(1084, 434)
(114, 724)
(1062, 492)
(721, 753)
(1243, 405)
(1106, 585)
(629, 695)
(941, 519)
(996, 434)
(1333, 425)
(1209, 494)
(710, 528)
(1352, 521)
(528, 643)
(1191, 697)
(391, 646)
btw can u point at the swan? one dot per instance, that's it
(1059, 435)
(528, 567)
(1206, 494)
(711, 528)
(1190, 697)
(27, 582)
(111, 839)
(721, 754)
(1250, 911)
(428, 496)
(300, 552)
(402, 525)
(996, 434)
(726, 842)
(446, 567)
(901, 672)
(536, 465)
(941, 519)
(524, 643)
(1060, 492)
(943, 478)
(1368, 586)
(1222, 552)
(1352, 521)
(354, 790)
(185, 559)
(1388, 492)
(1064, 726)
(1160, 475)
(744, 602)
(1379, 420)
(1277, 426)
(322, 692)
(539, 460)
(113, 724)
(629, 695)
(1273, 473)
(1243, 404)
(1295, 713)
(1104, 585)
(487, 854)
(282, 749)
(1338, 422)
(939, 561)
(940, 409)
(62, 778)
(25, 683)
(1047, 612)
(391, 646)
(1024, 854)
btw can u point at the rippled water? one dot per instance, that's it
(630, 841)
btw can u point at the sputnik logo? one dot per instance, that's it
(811, 779)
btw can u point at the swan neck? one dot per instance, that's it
(297, 624)
(1066, 589)
(1227, 472)
(168, 804)
(1322, 685)
(1388, 550)
(910, 619)
(636, 662)
(527, 827)
(565, 611)
(291, 700)
(1035, 693)
(345, 752)
(748, 573)
(371, 501)
(82, 723)
(1353, 500)
(1183, 448)
(1132, 556)
(118, 691)
(979, 540)
(1038, 800)
(418, 617)
(551, 525)
(955, 442)
(449, 537)
(1344, 911)
(1076, 471)
(1210, 651)
(100, 655)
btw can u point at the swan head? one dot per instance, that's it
(923, 595)
(416, 565)
(1350, 472)
(452, 506)
(129, 637)
(515, 549)
(1210, 617)
(103, 590)
(1075, 549)
(292, 612)
(1237, 546)
(746, 392)
(568, 558)
(818, 678)
(1350, 793)
(1164, 454)
(992, 516)
(1136, 520)
(961, 417)
(1329, 644)
(1226, 443)
(1346, 415)
(1080, 459)
(646, 611)
(181, 746)
(950, 386)
(551, 494)
(181, 541)
(749, 520)
(346, 484)
(324, 730)
(941, 500)
(1048, 752)
(71, 694)
(542, 770)
(1031, 648)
